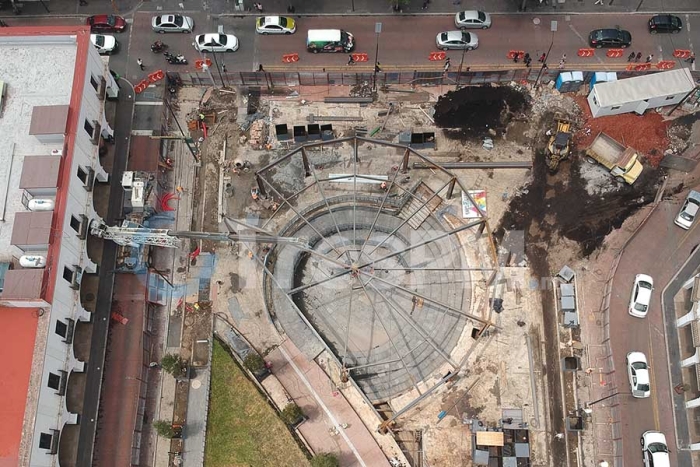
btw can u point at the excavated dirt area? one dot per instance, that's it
(561, 205)
(473, 111)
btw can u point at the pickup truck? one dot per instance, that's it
(623, 163)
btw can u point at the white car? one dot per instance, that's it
(655, 449)
(104, 43)
(275, 25)
(172, 23)
(457, 40)
(472, 19)
(641, 295)
(215, 43)
(686, 216)
(638, 374)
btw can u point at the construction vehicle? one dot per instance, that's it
(622, 162)
(559, 145)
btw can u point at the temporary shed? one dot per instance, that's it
(640, 93)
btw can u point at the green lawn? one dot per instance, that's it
(242, 429)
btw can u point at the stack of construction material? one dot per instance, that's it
(258, 134)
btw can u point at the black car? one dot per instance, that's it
(665, 23)
(614, 38)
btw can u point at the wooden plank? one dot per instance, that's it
(489, 438)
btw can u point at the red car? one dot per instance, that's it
(106, 23)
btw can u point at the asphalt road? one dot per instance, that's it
(659, 250)
(405, 41)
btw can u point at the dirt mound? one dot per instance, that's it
(560, 206)
(646, 133)
(473, 110)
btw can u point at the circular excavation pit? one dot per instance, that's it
(382, 274)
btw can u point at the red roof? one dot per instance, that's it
(17, 335)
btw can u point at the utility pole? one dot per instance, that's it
(377, 31)
(552, 27)
(184, 137)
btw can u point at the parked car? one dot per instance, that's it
(172, 23)
(689, 210)
(641, 295)
(665, 23)
(472, 19)
(106, 23)
(104, 43)
(457, 40)
(275, 25)
(638, 374)
(216, 42)
(615, 38)
(655, 449)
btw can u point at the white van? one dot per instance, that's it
(329, 40)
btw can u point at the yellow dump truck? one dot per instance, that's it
(623, 163)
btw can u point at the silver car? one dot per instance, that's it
(457, 40)
(172, 23)
(472, 19)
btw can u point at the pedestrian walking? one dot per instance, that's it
(378, 67)
(691, 59)
(638, 57)
(258, 7)
(351, 60)
(527, 62)
(83, 2)
(291, 9)
(563, 58)
(561, 64)
(260, 68)
(447, 64)
(526, 57)
(598, 2)
(425, 6)
(650, 57)
(515, 58)
(223, 67)
(631, 56)
(140, 62)
(542, 58)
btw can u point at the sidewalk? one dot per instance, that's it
(364, 7)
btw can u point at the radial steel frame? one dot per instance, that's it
(356, 267)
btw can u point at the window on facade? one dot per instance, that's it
(89, 128)
(61, 328)
(615, 107)
(668, 98)
(45, 440)
(68, 274)
(95, 84)
(75, 223)
(82, 175)
(54, 381)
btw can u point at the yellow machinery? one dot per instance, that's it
(559, 145)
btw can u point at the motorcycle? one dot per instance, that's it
(173, 59)
(158, 46)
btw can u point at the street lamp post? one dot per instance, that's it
(459, 72)
(377, 31)
(552, 27)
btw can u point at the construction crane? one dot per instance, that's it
(126, 235)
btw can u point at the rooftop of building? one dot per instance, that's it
(17, 335)
(37, 66)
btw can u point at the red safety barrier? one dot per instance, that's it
(586, 52)
(665, 65)
(152, 78)
(437, 56)
(642, 67)
(614, 53)
(139, 88)
(290, 58)
(199, 64)
(682, 53)
(360, 57)
(119, 318)
(515, 53)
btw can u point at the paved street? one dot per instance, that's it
(660, 259)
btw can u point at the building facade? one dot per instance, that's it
(53, 131)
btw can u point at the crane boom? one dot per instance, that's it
(134, 236)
